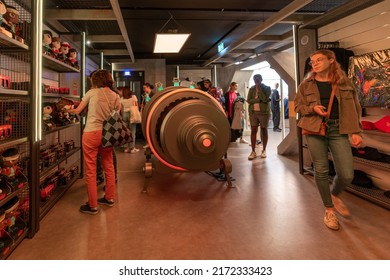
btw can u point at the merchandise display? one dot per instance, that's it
(11, 172)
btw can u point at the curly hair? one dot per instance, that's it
(102, 78)
(336, 74)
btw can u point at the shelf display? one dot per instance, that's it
(31, 185)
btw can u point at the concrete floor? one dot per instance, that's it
(272, 213)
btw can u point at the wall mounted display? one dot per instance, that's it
(370, 74)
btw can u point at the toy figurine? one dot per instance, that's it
(10, 21)
(10, 169)
(47, 40)
(47, 116)
(73, 58)
(3, 10)
(56, 45)
(10, 116)
(9, 159)
(64, 50)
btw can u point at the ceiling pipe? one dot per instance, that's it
(119, 18)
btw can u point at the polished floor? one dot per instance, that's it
(272, 213)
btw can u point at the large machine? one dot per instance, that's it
(186, 130)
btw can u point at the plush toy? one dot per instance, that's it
(10, 21)
(9, 163)
(73, 58)
(3, 10)
(47, 116)
(10, 169)
(46, 43)
(10, 116)
(64, 50)
(65, 104)
(56, 45)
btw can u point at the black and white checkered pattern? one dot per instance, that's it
(115, 131)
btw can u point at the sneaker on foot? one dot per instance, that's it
(252, 155)
(134, 150)
(88, 210)
(330, 220)
(263, 154)
(340, 207)
(105, 201)
(146, 146)
(126, 150)
(242, 140)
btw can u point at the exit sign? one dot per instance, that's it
(221, 47)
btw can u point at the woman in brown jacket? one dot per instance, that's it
(343, 128)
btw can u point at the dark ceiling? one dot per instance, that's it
(125, 30)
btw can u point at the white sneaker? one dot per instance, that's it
(134, 150)
(263, 154)
(146, 146)
(252, 156)
(242, 140)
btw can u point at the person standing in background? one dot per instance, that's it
(259, 113)
(275, 108)
(343, 128)
(230, 99)
(147, 94)
(129, 100)
(213, 91)
(145, 98)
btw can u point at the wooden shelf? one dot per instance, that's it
(13, 194)
(58, 192)
(374, 195)
(12, 141)
(54, 95)
(13, 92)
(9, 43)
(58, 128)
(56, 65)
(48, 169)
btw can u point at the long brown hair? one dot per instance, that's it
(336, 74)
(126, 92)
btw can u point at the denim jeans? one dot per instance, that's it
(132, 127)
(341, 152)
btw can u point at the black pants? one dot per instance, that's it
(276, 117)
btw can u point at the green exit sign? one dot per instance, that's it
(221, 47)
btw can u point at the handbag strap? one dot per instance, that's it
(109, 105)
(331, 102)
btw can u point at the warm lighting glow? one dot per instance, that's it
(169, 43)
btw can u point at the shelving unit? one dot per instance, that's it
(15, 101)
(56, 65)
(21, 78)
(58, 135)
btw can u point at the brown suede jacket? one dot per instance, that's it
(308, 96)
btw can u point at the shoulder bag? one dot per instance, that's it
(322, 130)
(115, 131)
(135, 115)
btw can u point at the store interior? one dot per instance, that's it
(268, 208)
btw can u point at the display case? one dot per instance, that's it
(40, 153)
(15, 130)
(60, 152)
